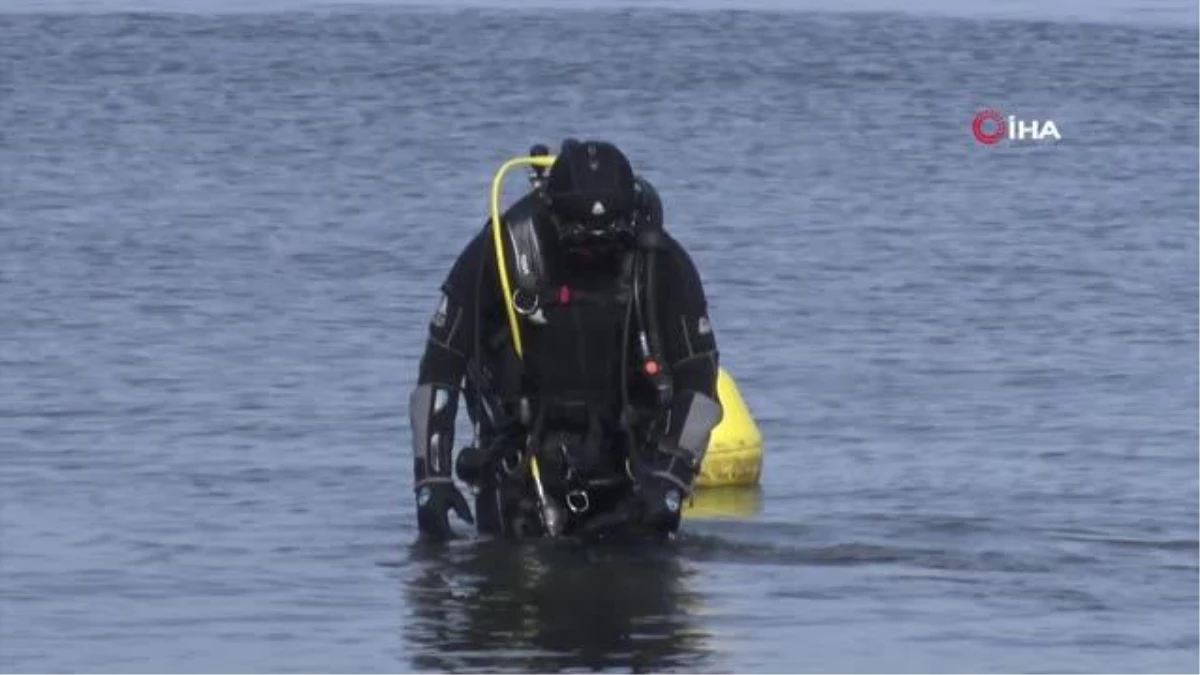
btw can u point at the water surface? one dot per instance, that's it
(975, 368)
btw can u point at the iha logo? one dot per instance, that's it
(990, 127)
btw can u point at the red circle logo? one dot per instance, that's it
(989, 127)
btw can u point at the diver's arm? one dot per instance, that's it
(690, 351)
(433, 405)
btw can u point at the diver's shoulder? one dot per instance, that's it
(670, 244)
(478, 248)
(473, 260)
(678, 265)
(674, 249)
(528, 207)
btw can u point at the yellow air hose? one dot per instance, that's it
(498, 241)
(506, 288)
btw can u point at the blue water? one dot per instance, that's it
(223, 226)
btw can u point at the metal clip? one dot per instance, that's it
(506, 467)
(526, 302)
(578, 501)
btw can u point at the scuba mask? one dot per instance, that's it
(601, 233)
(591, 194)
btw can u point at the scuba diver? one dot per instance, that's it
(579, 332)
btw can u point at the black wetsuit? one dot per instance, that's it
(588, 399)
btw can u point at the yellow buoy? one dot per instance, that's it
(735, 451)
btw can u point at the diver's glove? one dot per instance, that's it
(669, 475)
(660, 490)
(435, 498)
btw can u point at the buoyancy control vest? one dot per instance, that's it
(589, 324)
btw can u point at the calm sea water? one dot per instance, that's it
(222, 232)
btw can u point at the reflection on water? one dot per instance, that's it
(545, 607)
(718, 503)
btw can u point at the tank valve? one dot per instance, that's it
(537, 174)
